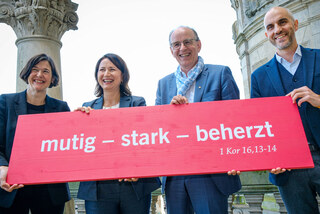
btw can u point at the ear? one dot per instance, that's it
(199, 45)
(171, 50)
(296, 24)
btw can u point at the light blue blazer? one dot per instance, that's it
(89, 190)
(215, 82)
(266, 82)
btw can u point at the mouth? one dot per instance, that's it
(280, 37)
(184, 55)
(107, 81)
(38, 81)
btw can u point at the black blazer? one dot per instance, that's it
(88, 190)
(11, 106)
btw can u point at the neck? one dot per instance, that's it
(35, 97)
(185, 71)
(288, 53)
(111, 98)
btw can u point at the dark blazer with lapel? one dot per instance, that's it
(144, 186)
(266, 82)
(11, 106)
(215, 82)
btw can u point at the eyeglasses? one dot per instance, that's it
(186, 42)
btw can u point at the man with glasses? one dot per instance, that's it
(194, 81)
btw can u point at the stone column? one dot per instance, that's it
(39, 26)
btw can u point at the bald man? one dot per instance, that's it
(294, 71)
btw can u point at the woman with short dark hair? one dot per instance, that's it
(40, 74)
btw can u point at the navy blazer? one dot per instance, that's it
(266, 82)
(215, 82)
(11, 106)
(144, 186)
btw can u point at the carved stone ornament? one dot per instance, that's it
(234, 4)
(50, 18)
(253, 6)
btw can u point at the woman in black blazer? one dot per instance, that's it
(40, 74)
(123, 196)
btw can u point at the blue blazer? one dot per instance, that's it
(11, 106)
(266, 82)
(215, 82)
(88, 190)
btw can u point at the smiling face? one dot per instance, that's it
(187, 56)
(40, 76)
(280, 28)
(109, 76)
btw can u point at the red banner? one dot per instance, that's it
(196, 138)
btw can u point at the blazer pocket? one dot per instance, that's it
(211, 95)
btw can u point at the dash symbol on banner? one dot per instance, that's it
(108, 141)
(182, 136)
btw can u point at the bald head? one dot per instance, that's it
(278, 10)
(184, 27)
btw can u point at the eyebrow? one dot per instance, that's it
(283, 19)
(280, 20)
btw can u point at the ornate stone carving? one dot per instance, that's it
(253, 6)
(234, 4)
(51, 18)
(235, 30)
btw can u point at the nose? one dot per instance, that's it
(107, 73)
(39, 73)
(277, 29)
(182, 46)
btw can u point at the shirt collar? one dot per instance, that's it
(296, 54)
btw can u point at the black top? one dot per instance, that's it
(32, 109)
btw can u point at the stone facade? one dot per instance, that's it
(39, 26)
(252, 45)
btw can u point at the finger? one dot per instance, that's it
(232, 172)
(289, 94)
(302, 100)
(121, 179)
(295, 97)
(8, 188)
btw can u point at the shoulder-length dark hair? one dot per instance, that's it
(122, 66)
(25, 73)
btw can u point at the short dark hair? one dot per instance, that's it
(25, 72)
(196, 37)
(122, 66)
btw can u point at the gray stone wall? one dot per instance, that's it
(252, 45)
